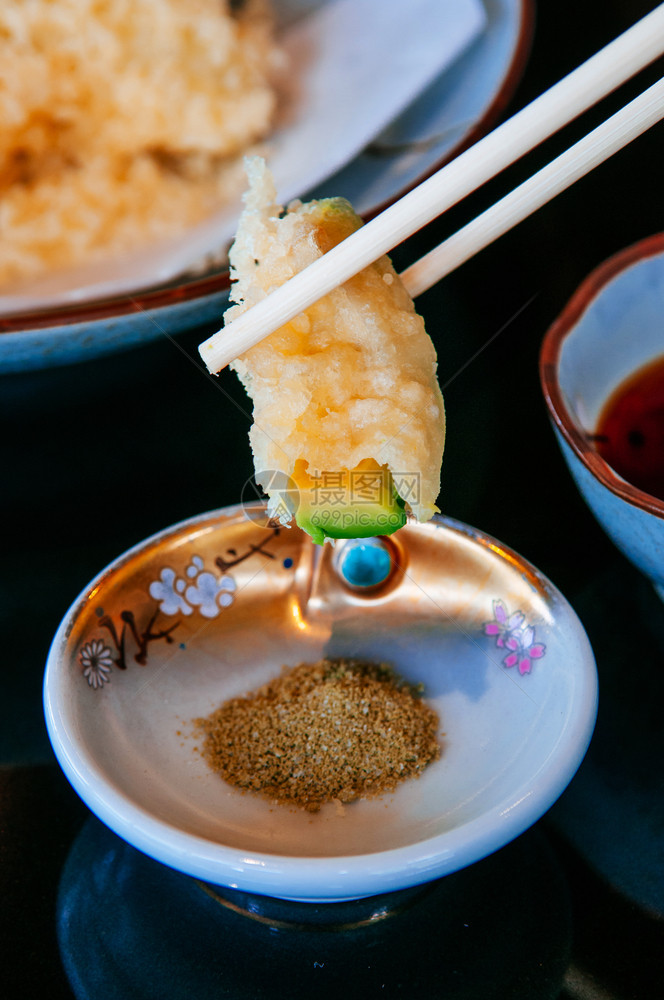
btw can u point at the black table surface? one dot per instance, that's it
(97, 456)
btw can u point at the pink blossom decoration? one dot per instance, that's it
(523, 650)
(503, 625)
(512, 633)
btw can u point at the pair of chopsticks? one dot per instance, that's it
(600, 75)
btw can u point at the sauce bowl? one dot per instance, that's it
(610, 329)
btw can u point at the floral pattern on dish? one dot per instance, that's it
(512, 633)
(195, 590)
(198, 589)
(96, 659)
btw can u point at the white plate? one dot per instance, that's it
(344, 92)
(450, 113)
(212, 608)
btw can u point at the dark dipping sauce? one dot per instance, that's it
(630, 429)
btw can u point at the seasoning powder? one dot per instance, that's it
(335, 730)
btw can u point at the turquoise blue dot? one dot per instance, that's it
(366, 563)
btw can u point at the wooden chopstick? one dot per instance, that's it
(566, 100)
(616, 132)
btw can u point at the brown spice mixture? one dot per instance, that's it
(332, 730)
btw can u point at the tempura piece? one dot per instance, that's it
(123, 122)
(346, 401)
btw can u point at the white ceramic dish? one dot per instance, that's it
(331, 69)
(213, 607)
(451, 112)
